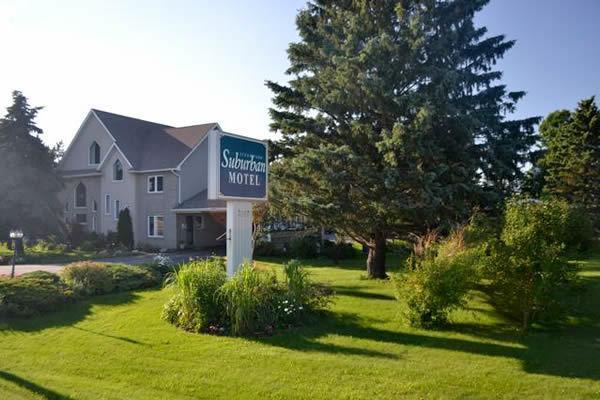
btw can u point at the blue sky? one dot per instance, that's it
(188, 62)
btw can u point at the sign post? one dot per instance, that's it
(238, 175)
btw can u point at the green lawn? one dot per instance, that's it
(116, 347)
(39, 255)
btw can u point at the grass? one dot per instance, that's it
(116, 347)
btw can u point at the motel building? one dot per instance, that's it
(186, 187)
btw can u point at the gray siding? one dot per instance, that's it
(194, 172)
(78, 155)
(92, 185)
(124, 191)
(154, 204)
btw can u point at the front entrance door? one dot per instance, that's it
(189, 230)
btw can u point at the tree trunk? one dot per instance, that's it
(376, 258)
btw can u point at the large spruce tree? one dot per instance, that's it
(393, 121)
(571, 160)
(28, 198)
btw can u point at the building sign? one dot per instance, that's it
(242, 168)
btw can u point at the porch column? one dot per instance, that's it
(239, 234)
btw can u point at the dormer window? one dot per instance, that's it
(94, 154)
(117, 171)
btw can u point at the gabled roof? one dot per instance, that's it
(150, 145)
(200, 202)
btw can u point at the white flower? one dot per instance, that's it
(301, 308)
(285, 309)
(285, 302)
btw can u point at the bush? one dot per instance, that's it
(161, 265)
(130, 277)
(87, 278)
(266, 249)
(31, 294)
(438, 280)
(528, 273)
(195, 306)
(338, 250)
(250, 300)
(305, 247)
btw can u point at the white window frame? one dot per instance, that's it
(154, 217)
(107, 204)
(116, 210)
(114, 174)
(155, 177)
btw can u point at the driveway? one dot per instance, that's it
(143, 258)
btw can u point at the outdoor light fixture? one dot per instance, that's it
(15, 235)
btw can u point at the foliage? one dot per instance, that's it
(439, 278)
(87, 278)
(571, 160)
(579, 232)
(305, 247)
(195, 306)
(393, 120)
(338, 250)
(31, 294)
(266, 249)
(30, 184)
(125, 229)
(249, 299)
(529, 275)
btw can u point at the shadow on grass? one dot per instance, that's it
(67, 316)
(354, 291)
(106, 335)
(33, 387)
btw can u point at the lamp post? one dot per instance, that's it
(15, 235)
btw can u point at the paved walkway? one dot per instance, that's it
(176, 258)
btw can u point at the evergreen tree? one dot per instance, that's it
(571, 161)
(28, 199)
(393, 121)
(125, 229)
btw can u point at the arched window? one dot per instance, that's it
(80, 195)
(95, 154)
(117, 171)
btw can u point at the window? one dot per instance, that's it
(198, 223)
(94, 154)
(80, 195)
(81, 218)
(155, 184)
(156, 226)
(107, 204)
(117, 171)
(117, 209)
(94, 206)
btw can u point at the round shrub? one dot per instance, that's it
(31, 294)
(88, 278)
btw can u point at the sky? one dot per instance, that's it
(190, 62)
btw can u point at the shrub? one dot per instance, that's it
(250, 300)
(31, 294)
(266, 249)
(438, 279)
(338, 250)
(87, 246)
(305, 247)
(161, 265)
(75, 234)
(528, 273)
(125, 229)
(88, 278)
(195, 306)
(130, 277)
